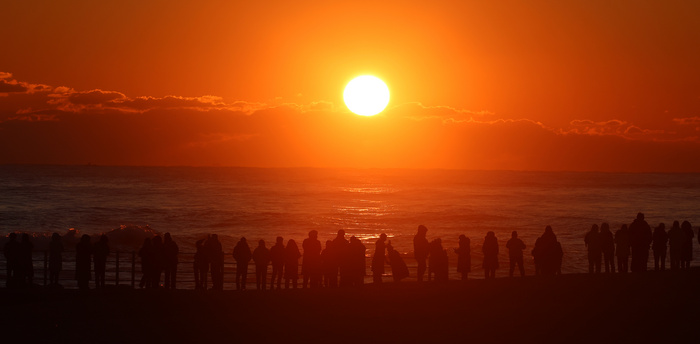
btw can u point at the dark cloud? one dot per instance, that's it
(8, 87)
(633, 129)
(688, 120)
(94, 97)
(588, 122)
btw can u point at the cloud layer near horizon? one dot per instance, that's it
(58, 125)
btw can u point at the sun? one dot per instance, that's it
(366, 95)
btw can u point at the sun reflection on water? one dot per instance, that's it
(377, 190)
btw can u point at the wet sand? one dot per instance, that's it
(644, 308)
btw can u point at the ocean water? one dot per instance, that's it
(130, 203)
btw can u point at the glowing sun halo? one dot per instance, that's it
(366, 95)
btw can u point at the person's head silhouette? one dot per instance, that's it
(55, 237)
(215, 237)
(13, 236)
(313, 234)
(463, 240)
(341, 233)
(640, 216)
(167, 238)
(605, 227)
(676, 224)
(594, 228)
(382, 237)
(280, 241)
(686, 225)
(104, 239)
(662, 226)
(25, 238)
(422, 230)
(514, 234)
(261, 243)
(85, 239)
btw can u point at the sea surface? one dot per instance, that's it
(130, 203)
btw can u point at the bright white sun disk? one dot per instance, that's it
(366, 95)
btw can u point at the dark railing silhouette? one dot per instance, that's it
(117, 265)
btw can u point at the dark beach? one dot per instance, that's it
(645, 308)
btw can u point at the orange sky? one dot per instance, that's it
(518, 85)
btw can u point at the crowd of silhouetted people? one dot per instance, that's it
(342, 262)
(636, 240)
(18, 260)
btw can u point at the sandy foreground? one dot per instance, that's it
(642, 308)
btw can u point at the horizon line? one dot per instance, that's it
(346, 168)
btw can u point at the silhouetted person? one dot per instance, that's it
(438, 261)
(200, 266)
(432, 259)
(659, 240)
(11, 253)
(26, 265)
(399, 270)
(311, 263)
(595, 250)
(291, 264)
(83, 251)
(216, 260)
(640, 242)
(277, 260)
(100, 251)
(379, 259)
(607, 243)
(158, 259)
(549, 251)
(170, 261)
(537, 257)
(356, 260)
(261, 257)
(55, 258)
(421, 250)
(687, 247)
(515, 248)
(490, 250)
(242, 255)
(342, 259)
(675, 241)
(464, 257)
(622, 249)
(146, 255)
(328, 264)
